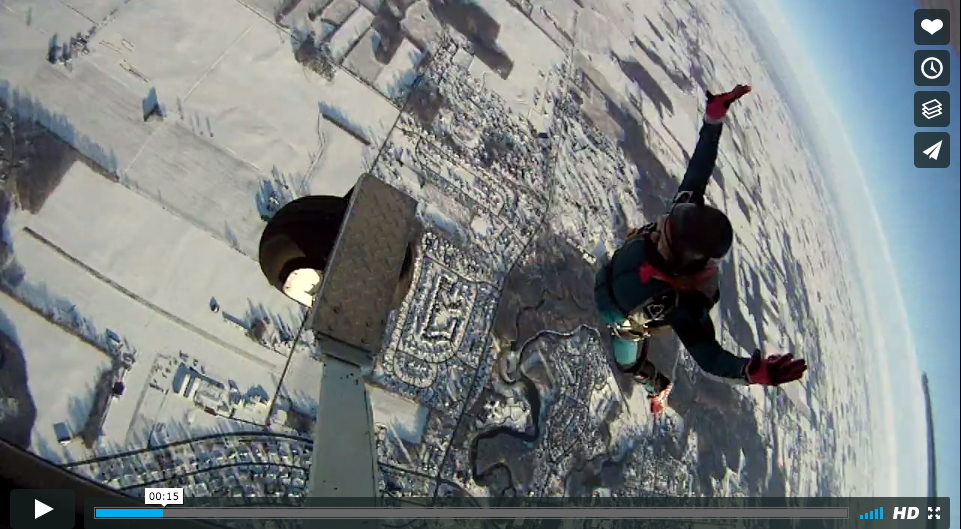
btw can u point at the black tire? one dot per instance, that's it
(301, 235)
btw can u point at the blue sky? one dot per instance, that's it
(862, 52)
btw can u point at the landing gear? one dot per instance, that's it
(351, 261)
(297, 243)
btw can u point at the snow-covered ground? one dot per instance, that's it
(396, 78)
(171, 43)
(338, 164)
(405, 418)
(265, 109)
(530, 49)
(350, 32)
(55, 277)
(27, 30)
(179, 270)
(151, 257)
(361, 60)
(202, 183)
(128, 265)
(240, 89)
(62, 371)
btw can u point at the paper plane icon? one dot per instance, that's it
(932, 151)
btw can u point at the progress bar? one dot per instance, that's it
(202, 513)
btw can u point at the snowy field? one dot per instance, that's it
(171, 43)
(395, 79)
(239, 108)
(404, 418)
(51, 277)
(62, 371)
(266, 109)
(104, 269)
(202, 183)
(350, 32)
(179, 271)
(338, 164)
(27, 29)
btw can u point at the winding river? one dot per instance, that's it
(534, 398)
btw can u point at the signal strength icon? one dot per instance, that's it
(876, 514)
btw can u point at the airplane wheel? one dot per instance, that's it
(297, 242)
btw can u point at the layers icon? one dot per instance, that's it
(931, 109)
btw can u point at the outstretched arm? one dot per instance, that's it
(702, 163)
(698, 336)
(695, 329)
(701, 166)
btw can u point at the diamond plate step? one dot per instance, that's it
(355, 298)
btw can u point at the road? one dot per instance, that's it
(242, 436)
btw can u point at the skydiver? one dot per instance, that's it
(664, 277)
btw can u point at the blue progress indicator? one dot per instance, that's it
(128, 513)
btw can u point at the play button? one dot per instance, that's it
(42, 509)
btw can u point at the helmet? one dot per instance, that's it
(699, 233)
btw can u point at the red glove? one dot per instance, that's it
(717, 105)
(659, 401)
(774, 370)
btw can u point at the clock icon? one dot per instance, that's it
(932, 68)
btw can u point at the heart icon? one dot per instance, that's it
(932, 26)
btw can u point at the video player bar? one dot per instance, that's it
(207, 513)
